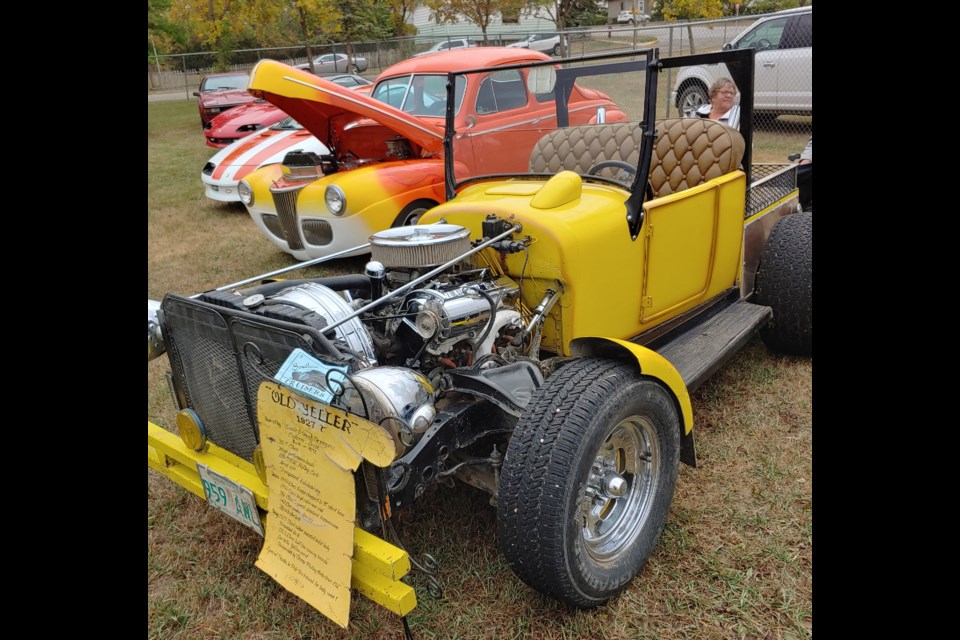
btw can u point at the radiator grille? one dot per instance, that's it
(317, 232)
(285, 201)
(219, 357)
(272, 223)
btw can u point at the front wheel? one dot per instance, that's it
(556, 49)
(691, 98)
(587, 481)
(412, 212)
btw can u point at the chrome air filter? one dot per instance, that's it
(418, 246)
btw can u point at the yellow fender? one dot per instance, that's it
(654, 365)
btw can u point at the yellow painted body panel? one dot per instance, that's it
(378, 565)
(690, 241)
(376, 193)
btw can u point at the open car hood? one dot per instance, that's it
(314, 102)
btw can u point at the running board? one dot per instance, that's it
(699, 351)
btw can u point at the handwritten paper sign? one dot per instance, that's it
(310, 451)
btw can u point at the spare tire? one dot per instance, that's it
(785, 284)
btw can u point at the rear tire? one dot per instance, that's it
(556, 49)
(785, 283)
(587, 481)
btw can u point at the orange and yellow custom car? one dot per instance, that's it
(386, 162)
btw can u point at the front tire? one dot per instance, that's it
(556, 49)
(411, 213)
(587, 481)
(785, 283)
(691, 98)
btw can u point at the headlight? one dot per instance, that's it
(245, 191)
(336, 200)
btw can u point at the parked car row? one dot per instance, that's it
(393, 141)
(385, 166)
(269, 135)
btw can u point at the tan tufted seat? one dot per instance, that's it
(690, 151)
(579, 148)
(687, 152)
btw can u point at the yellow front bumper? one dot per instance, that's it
(378, 565)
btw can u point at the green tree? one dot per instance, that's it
(162, 33)
(315, 19)
(674, 10)
(400, 12)
(479, 12)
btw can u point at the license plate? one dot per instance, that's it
(233, 499)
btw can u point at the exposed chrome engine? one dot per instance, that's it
(432, 332)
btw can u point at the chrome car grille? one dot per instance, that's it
(318, 232)
(285, 201)
(272, 223)
(219, 356)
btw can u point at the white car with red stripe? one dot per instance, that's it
(228, 166)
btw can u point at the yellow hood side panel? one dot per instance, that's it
(601, 269)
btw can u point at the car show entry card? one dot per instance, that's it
(311, 377)
(310, 451)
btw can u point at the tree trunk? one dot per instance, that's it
(690, 37)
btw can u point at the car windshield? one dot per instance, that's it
(224, 83)
(765, 36)
(590, 120)
(508, 111)
(589, 115)
(418, 94)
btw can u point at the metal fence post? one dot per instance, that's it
(186, 87)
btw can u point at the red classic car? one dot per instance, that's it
(219, 92)
(241, 121)
(386, 163)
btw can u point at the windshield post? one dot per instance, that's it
(449, 179)
(638, 191)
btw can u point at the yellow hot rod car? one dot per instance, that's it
(536, 336)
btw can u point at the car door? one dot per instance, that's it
(508, 122)
(765, 38)
(795, 71)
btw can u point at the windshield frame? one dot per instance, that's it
(566, 77)
(739, 62)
